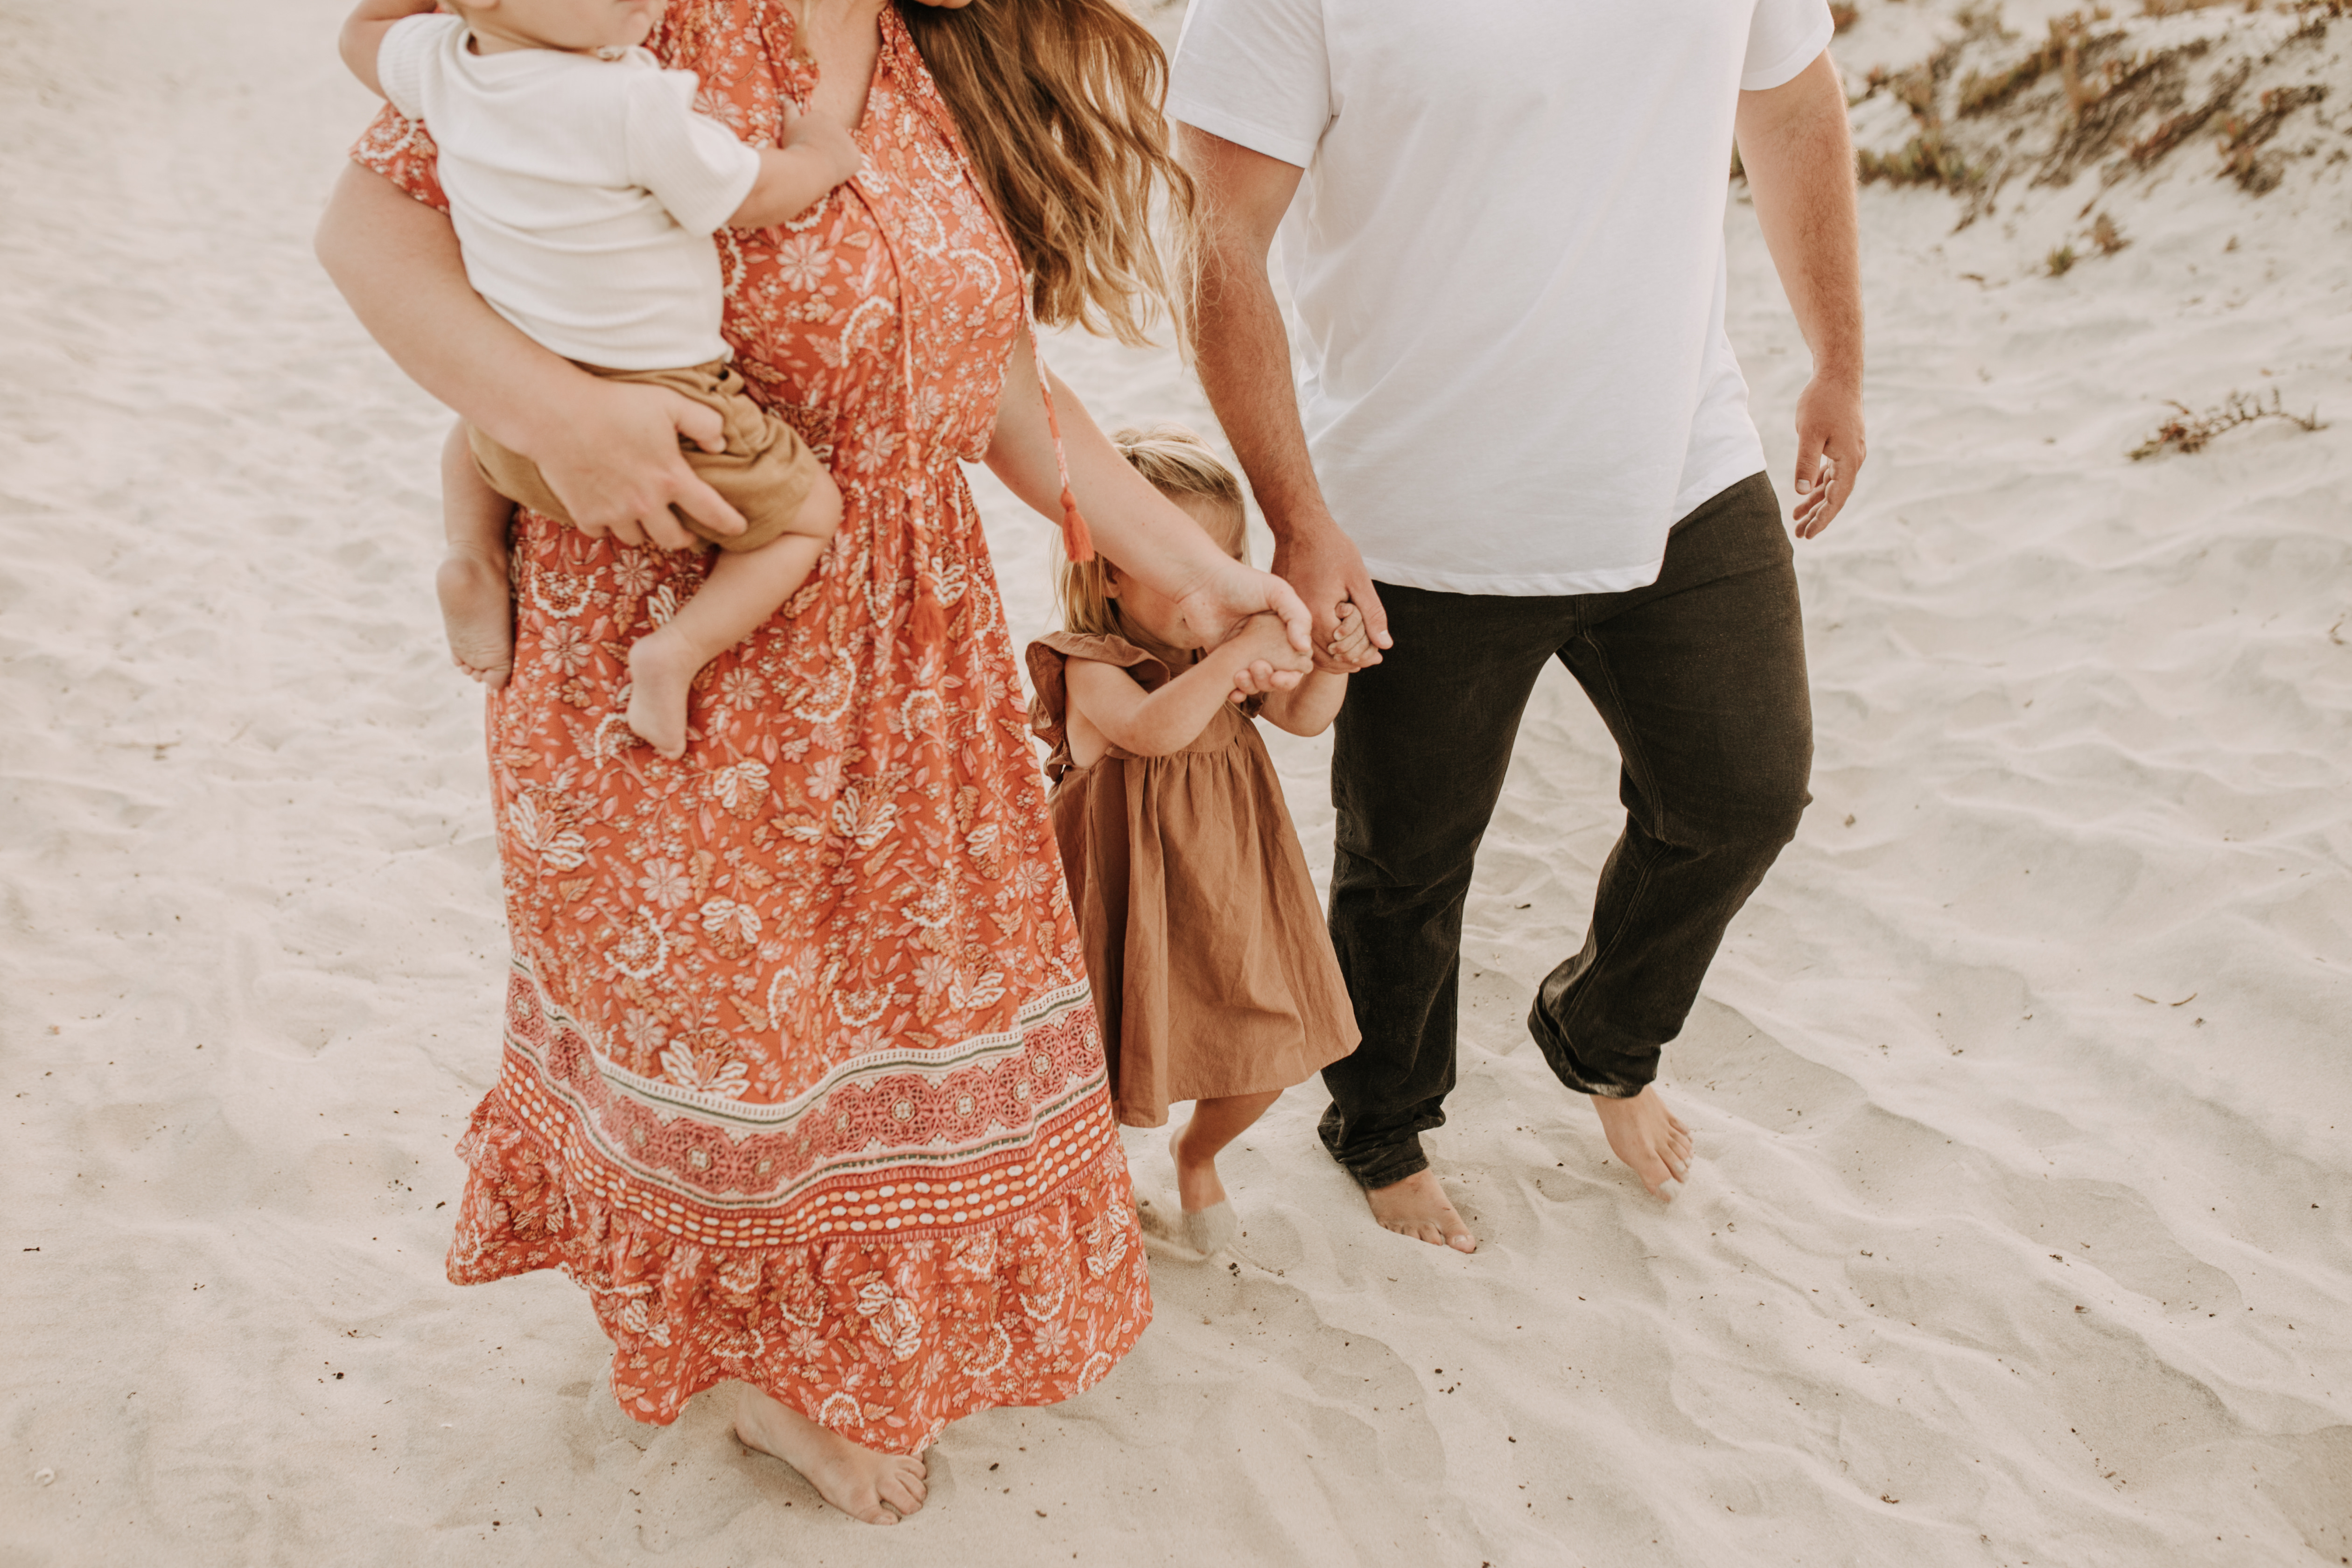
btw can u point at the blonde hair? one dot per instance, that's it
(1179, 465)
(1058, 104)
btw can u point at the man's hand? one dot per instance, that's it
(1327, 570)
(1794, 144)
(617, 467)
(1830, 451)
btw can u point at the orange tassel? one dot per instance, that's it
(1078, 539)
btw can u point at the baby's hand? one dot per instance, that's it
(821, 135)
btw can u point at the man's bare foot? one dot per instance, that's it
(1649, 1138)
(879, 1488)
(478, 613)
(1418, 1208)
(661, 668)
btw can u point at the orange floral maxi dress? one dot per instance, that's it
(801, 1081)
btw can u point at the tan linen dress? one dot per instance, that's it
(1213, 971)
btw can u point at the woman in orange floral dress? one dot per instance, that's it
(801, 1081)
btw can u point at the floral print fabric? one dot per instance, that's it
(802, 1080)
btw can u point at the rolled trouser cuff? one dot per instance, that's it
(1375, 1164)
(1577, 1074)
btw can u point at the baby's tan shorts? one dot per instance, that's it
(765, 473)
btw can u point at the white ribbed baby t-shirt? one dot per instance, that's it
(584, 191)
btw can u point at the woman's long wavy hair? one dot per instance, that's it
(1059, 105)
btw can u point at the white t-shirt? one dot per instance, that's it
(1507, 263)
(584, 192)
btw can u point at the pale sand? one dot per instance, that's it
(1985, 1259)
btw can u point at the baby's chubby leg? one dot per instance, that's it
(743, 589)
(477, 611)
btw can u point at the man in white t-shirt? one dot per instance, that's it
(1522, 436)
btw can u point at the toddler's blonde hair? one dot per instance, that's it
(1178, 464)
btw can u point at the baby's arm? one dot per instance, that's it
(1154, 723)
(1308, 707)
(364, 31)
(817, 155)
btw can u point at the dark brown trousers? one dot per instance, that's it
(1700, 678)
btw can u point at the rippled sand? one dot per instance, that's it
(2023, 1229)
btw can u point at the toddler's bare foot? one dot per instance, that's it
(1650, 1139)
(478, 613)
(1197, 1186)
(661, 668)
(879, 1488)
(1418, 1208)
(1205, 1224)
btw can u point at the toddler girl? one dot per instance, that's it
(584, 191)
(1212, 974)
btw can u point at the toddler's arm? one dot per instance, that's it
(364, 31)
(1308, 707)
(1154, 723)
(817, 155)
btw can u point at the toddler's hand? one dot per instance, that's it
(1352, 639)
(1264, 639)
(824, 137)
(1268, 662)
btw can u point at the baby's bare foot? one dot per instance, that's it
(878, 1488)
(661, 669)
(1649, 1138)
(478, 613)
(1418, 1208)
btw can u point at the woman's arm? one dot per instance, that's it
(1135, 526)
(608, 449)
(1154, 723)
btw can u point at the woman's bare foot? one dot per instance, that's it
(1650, 1139)
(878, 1488)
(662, 666)
(1418, 1208)
(478, 613)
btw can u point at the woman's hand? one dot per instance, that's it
(614, 462)
(1223, 608)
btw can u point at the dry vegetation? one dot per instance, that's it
(2187, 431)
(2094, 92)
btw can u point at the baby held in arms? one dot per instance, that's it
(584, 191)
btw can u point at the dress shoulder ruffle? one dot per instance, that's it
(1048, 659)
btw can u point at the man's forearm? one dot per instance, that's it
(1243, 352)
(1799, 155)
